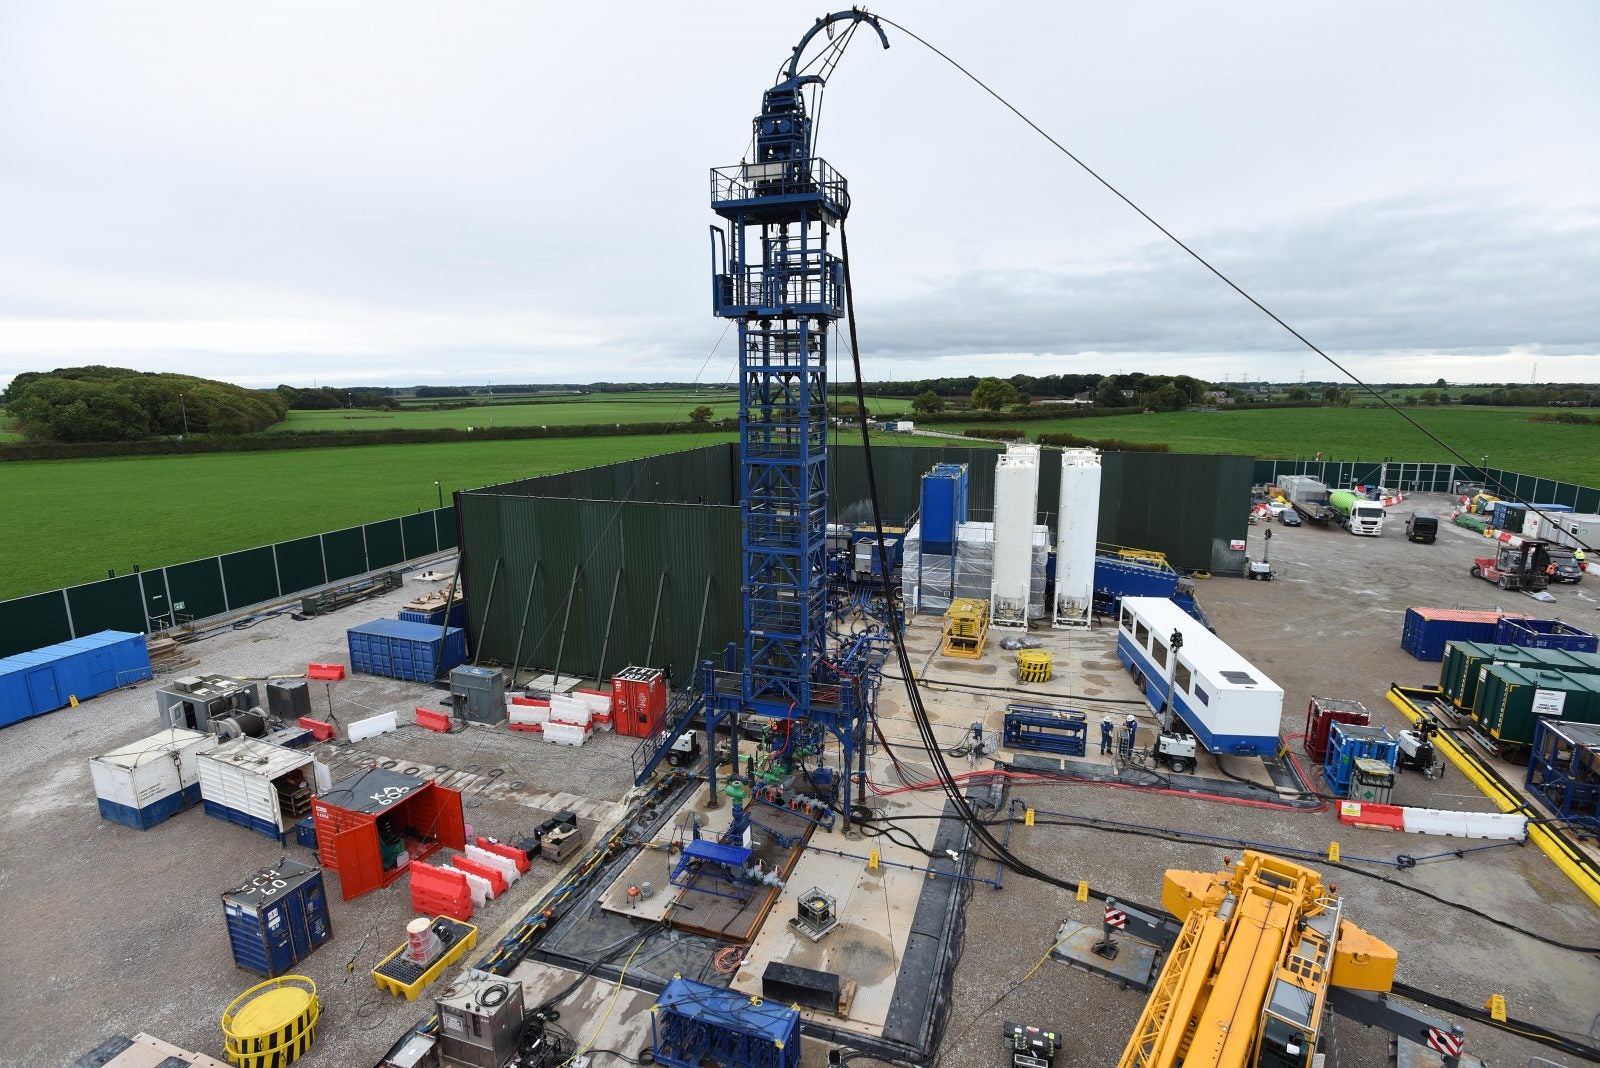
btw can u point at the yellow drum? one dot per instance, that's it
(1035, 665)
(272, 1023)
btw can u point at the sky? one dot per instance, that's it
(396, 193)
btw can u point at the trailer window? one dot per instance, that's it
(1205, 698)
(1127, 619)
(1181, 676)
(1141, 634)
(1160, 652)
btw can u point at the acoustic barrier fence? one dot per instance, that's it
(165, 596)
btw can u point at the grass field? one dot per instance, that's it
(657, 406)
(67, 521)
(1554, 450)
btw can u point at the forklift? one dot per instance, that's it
(1519, 564)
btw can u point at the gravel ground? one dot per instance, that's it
(1329, 624)
(109, 930)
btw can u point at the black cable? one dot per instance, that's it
(1500, 486)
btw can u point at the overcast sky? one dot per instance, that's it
(394, 193)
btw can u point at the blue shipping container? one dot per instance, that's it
(1426, 630)
(1545, 634)
(435, 616)
(277, 918)
(944, 507)
(396, 649)
(44, 680)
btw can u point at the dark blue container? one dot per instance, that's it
(400, 650)
(277, 918)
(305, 832)
(1545, 634)
(1427, 630)
(435, 617)
(944, 507)
(44, 680)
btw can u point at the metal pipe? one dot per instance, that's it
(935, 872)
(700, 631)
(522, 631)
(655, 617)
(449, 598)
(483, 620)
(566, 617)
(605, 643)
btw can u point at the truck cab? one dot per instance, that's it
(1366, 517)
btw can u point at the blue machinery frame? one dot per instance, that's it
(774, 274)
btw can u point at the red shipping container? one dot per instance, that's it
(426, 814)
(639, 701)
(1321, 714)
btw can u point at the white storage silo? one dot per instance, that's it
(1077, 531)
(1016, 501)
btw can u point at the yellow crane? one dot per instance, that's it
(1263, 951)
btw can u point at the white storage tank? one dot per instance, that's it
(264, 787)
(145, 782)
(1016, 502)
(1077, 531)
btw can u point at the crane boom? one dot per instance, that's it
(1247, 979)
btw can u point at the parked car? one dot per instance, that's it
(1290, 518)
(1567, 567)
(1277, 508)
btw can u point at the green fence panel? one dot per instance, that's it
(110, 604)
(420, 539)
(33, 622)
(444, 522)
(250, 576)
(383, 544)
(345, 553)
(196, 589)
(300, 563)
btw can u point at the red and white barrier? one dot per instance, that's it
(1502, 826)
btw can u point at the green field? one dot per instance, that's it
(656, 406)
(1553, 450)
(68, 521)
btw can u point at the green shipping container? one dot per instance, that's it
(1462, 670)
(1511, 701)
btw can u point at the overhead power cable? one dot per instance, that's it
(1500, 487)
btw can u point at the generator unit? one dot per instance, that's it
(288, 699)
(480, 1021)
(205, 702)
(478, 694)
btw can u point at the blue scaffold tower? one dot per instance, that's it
(776, 276)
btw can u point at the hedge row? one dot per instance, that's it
(324, 439)
(1103, 444)
(1062, 411)
(999, 434)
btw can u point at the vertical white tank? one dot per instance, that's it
(1077, 530)
(1016, 501)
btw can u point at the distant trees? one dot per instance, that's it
(927, 402)
(98, 403)
(992, 394)
(701, 416)
(326, 398)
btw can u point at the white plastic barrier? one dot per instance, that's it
(1498, 825)
(602, 723)
(372, 726)
(598, 703)
(495, 861)
(565, 709)
(478, 886)
(529, 714)
(565, 733)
